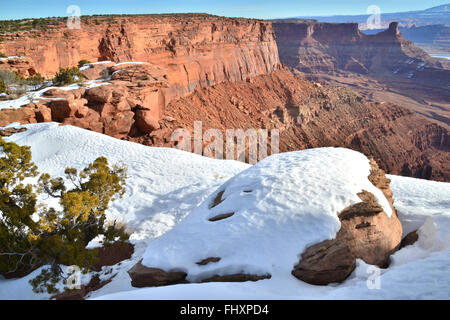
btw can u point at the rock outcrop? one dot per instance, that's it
(195, 50)
(117, 108)
(313, 47)
(366, 233)
(22, 65)
(142, 276)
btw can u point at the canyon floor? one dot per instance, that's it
(431, 102)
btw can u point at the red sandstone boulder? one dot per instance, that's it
(62, 109)
(142, 276)
(43, 114)
(100, 94)
(106, 93)
(25, 114)
(366, 233)
(145, 121)
(119, 125)
(97, 71)
(326, 262)
(54, 93)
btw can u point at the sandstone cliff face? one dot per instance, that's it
(193, 50)
(328, 47)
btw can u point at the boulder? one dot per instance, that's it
(24, 115)
(97, 71)
(65, 108)
(10, 131)
(90, 121)
(113, 254)
(106, 93)
(367, 233)
(119, 125)
(54, 93)
(78, 93)
(326, 262)
(43, 114)
(101, 94)
(142, 276)
(145, 121)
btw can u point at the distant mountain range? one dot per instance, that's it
(435, 15)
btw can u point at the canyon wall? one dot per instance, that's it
(309, 115)
(313, 47)
(192, 50)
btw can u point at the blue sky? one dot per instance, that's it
(17, 9)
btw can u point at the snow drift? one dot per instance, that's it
(259, 221)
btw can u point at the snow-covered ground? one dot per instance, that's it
(167, 186)
(33, 96)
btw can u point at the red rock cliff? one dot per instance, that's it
(193, 50)
(314, 47)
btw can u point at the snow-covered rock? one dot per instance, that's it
(259, 221)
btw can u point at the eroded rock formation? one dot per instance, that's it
(195, 50)
(366, 233)
(22, 65)
(313, 47)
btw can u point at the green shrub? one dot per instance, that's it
(57, 237)
(2, 55)
(2, 86)
(67, 76)
(35, 80)
(82, 63)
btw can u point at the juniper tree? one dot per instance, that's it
(54, 237)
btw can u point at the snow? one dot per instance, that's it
(293, 204)
(419, 271)
(163, 184)
(89, 65)
(34, 96)
(440, 56)
(130, 62)
(281, 206)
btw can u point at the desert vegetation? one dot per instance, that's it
(67, 76)
(83, 62)
(14, 85)
(33, 235)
